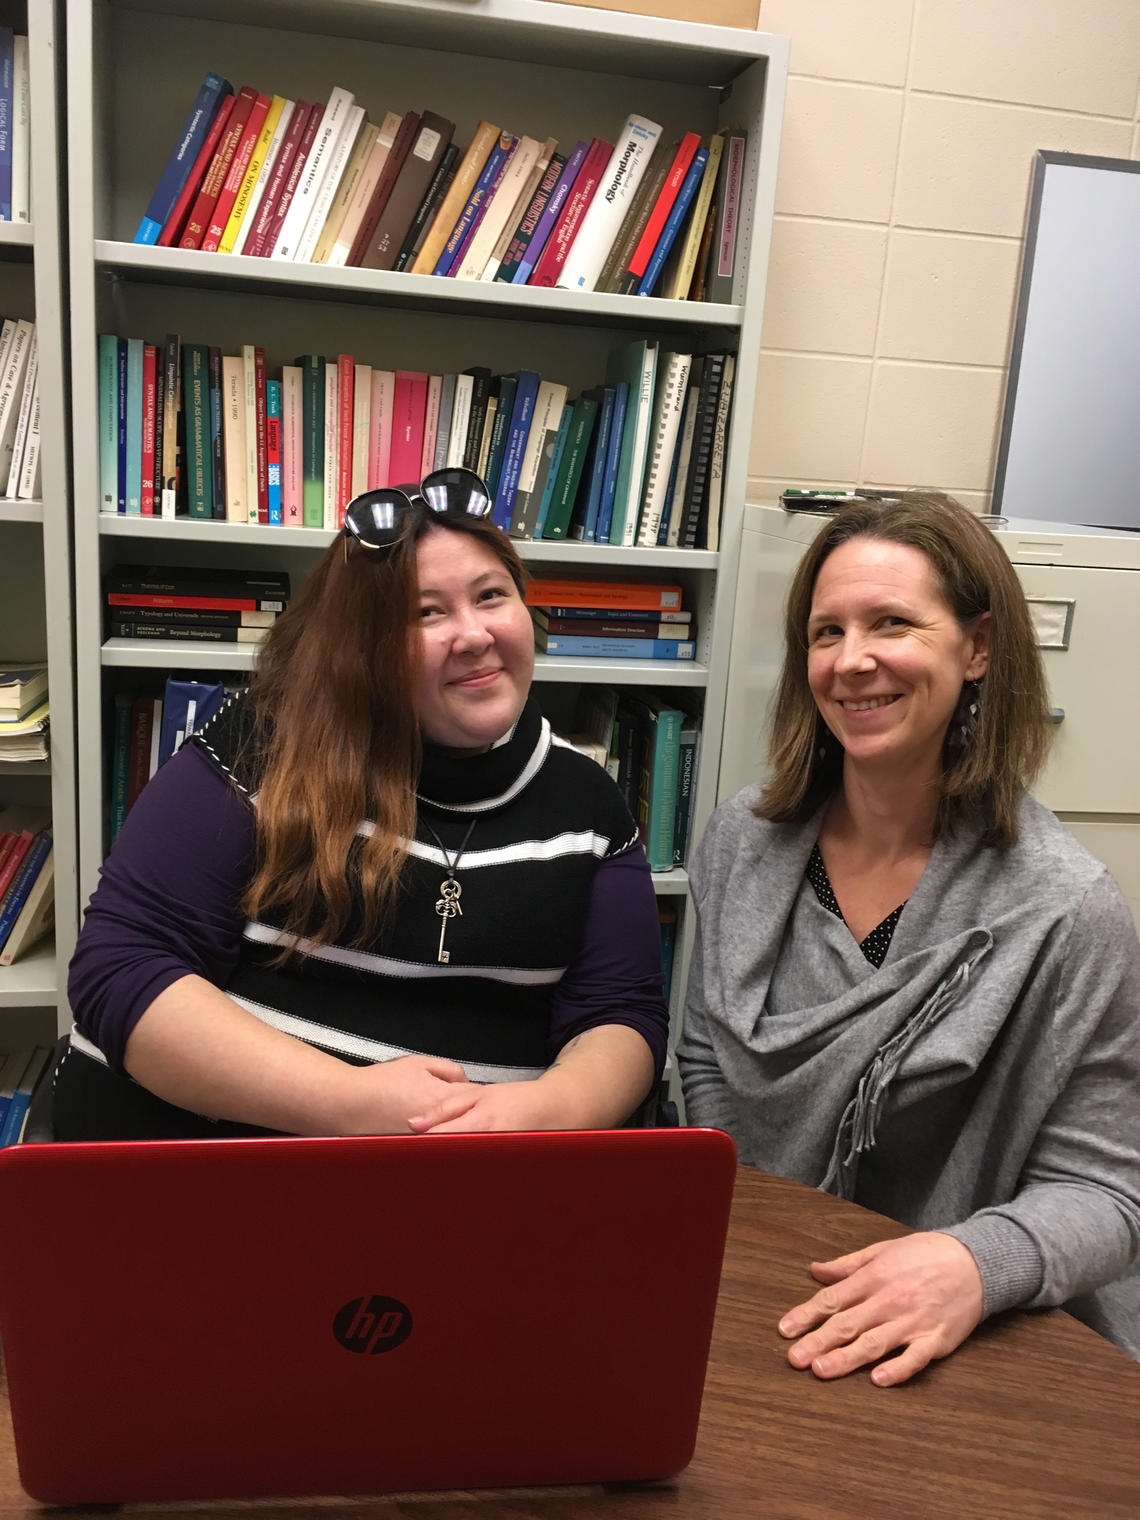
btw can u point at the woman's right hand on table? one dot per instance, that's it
(380, 1099)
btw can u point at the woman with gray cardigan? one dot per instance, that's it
(911, 985)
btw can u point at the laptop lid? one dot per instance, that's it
(206, 1319)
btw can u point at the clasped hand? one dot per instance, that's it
(921, 1292)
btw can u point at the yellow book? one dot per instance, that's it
(256, 162)
(679, 286)
(470, 168)
(347, 188)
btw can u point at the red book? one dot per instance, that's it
(346, 380)
(282, 165)
(392, 166)
(195, 603)
(408, 412)
(262, 451)
(561, 240)
(149, 379)
(292, 179)
(235, 174)
(20, 847)
(203, 209)
(175, 222)
(273, 447)
(142, 728)
(657, 217)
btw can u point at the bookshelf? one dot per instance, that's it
(537, 68)
(36, 540)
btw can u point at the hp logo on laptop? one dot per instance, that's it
(371, 1325)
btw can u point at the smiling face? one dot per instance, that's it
(476, 643)
(887, 657)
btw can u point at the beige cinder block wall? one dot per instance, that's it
(909, 136)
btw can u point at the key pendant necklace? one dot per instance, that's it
(447, 905)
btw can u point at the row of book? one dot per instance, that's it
(15, 128)
(635, 460)
(193, 605)
(150, 727)
(27, 880)
(19, 410)
(649, 745)
(270, 177)
(610, 620)
(24, 712)
(20, 1071)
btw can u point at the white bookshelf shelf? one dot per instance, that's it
(17, 237)
(25, 768)
(21, 511)
(416, 292)
(32, 982)
(674, 883)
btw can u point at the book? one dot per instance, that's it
(429, 205)
(564, 235)
(7, 102)
(722, 261)
(12, 372)
(704, 254)
(13, 1126)
(36, 915)
(120, 425)
(503, 207)
(688, 739)
(636, 364)
(521, 207)
(612, 628)
(150, 366)
(667, 922)
(312, 176)
(657, 793)
(250, 432)
(673, 222)
(186, 706)
(20, 206)
(467, 175)
(634, 222)
(528, 223)
(134, 424)
(22, 883)
(393, 164)
(613, 462)
(584, 522)
(172, 396)
(380, 140)
(508, 385)
(494, 172)
(273, 449)
(340, 151)
(286, 177)
(361, 412)
(194, 617)
(346, 190)
(550, 470)
(217, 448)
(614, 648)
(108, 421)
(551, 213)
(517, 432)
(434, 423)
(628, 162)
(261, 129)
(120, 761)
(146, 730)
(276, 133)
(12, 1068)
(679, 286)
(186, 633)
(292, 433)
(496, 159)
(488, 432)
(380, 428)
(460, 418)
(708, 531)
(480, 397)
(134, 584)
(443, 431)
(175, 223)
(346, 429)
(429, 143)
(548, 407)
(28, 395)
(21, 687)
(205, 202)
(159, 418)
(409, 405)
(215, 233)
(674, 507)
(331, 491)
(668, 405)
(312, 439)
(182, 157)
(199, 452)
(233, 438)
(583, 416)
(563, 594)
(696, 483)
(655, 225)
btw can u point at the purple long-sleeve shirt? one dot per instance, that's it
(168, 905)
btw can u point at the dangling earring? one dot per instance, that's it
(964, 723)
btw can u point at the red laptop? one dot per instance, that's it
(209, 1319)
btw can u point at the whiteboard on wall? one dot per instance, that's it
(1070, 438)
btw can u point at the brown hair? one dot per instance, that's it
(983, 779)
(335, 737)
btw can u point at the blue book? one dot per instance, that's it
(12, 1067)
(193, 134)
(186, 705)
(134, 426)
(595, 479)
(657, 794)
(108, 422)
(552, 474)
(483, 186)
(620, 649)
(217, 440)
(121, 432)
(508, 384)
(7, 101)
(522, 415)
(273, 467)
(23, 883)
(671, 486)
(551, 213)
(613, 459)
(13, 1121)
(673, 222)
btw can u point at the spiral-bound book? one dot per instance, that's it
(669, 403)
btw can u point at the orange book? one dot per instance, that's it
(645, 596)
(470, 168)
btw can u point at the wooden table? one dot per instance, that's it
(1035, 1416)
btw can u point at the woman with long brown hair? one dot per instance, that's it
(374, 894)
(912, 987)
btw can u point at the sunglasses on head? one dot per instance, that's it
(376, 519)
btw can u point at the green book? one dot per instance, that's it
(583, 415)
(312, 368)
(199, 438)
(657, 791)
(636, 364)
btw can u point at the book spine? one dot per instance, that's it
(277, 176)
(670, 402)
(686, 787)
(262, 460)
(500, 210)
(249, 412)
(175, 223)
(192, 616)
(410, 406)
(467, 175)
(696, 485)
(557, 522)
(615, 628)
(460, 419)
(517, 435)
(339, 154)
(292, 432)
(484, 186)
(560, 595)
(722, 272)
(480, 395)
(523, 202)
(524, 232)
(21, 844)
(552, 472)
(550, 265)
(633, 224)
(235, 176)
(120, 762)
(24, 419)
(197, 633)
(315, 168)
(332, 444)
(202, 210)
(508, 387)
(235, 602)
(709, 533)
(361, 413)
(7, 101)
(429, 206)
(159, 415)
(217, 451)
(172, 396)
(346, 430)
(182, 157)
(358, 157)
(596, 468)
(682, 281)
(380, 429)
(262, 126)
(150, 362)
(199, 454)
(266, 244)
(433, 423)
(424, 154)
(662, 814)
(313, 444)
(550, 215)
(658, 216)
(108, 422)
(679, 621)
(673, 222)
(134, 426)
(623, 649)
(613, 462)
(21, 131)
(389, 175)
(22, 884)
(620, 180)
(233, 439)
(280, 135)
(273, 450)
